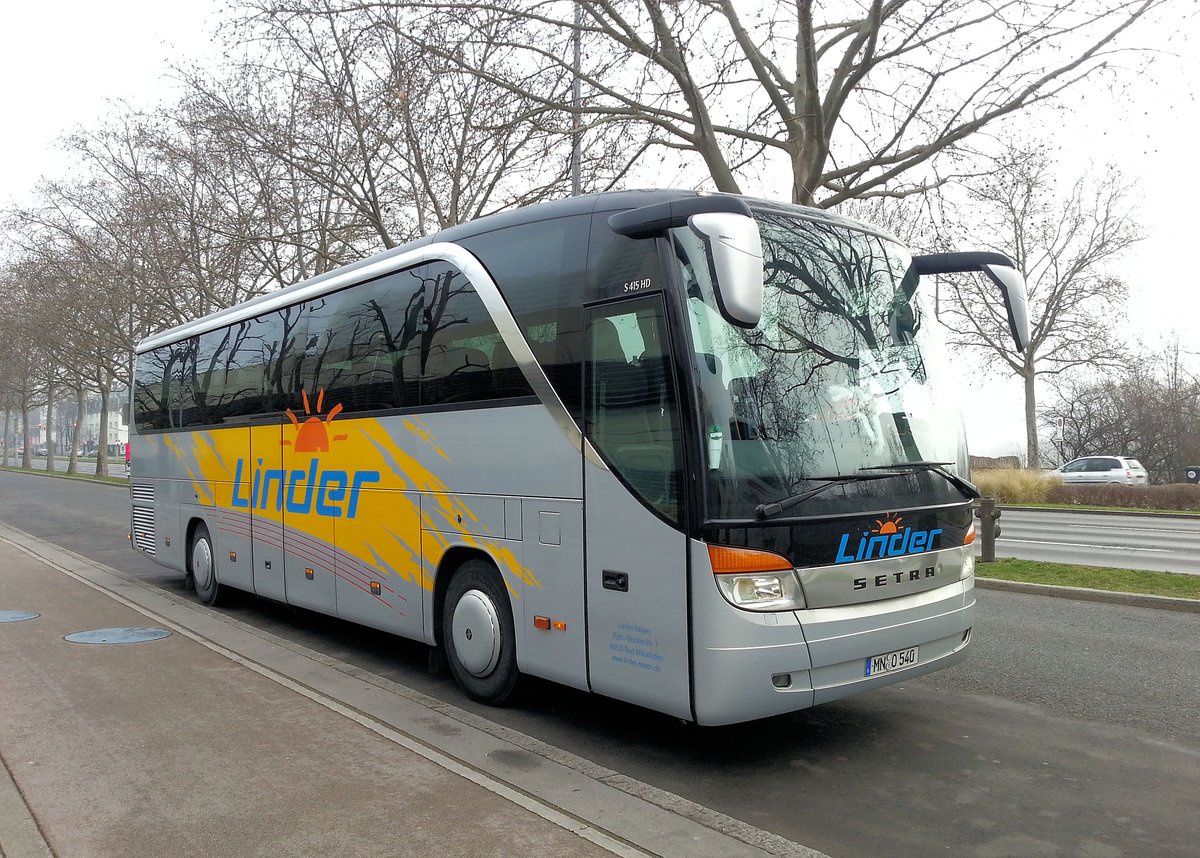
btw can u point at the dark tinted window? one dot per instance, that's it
(633, 409)
(361, 344)
(240, 369)
(541, 271)
(163, 387)
(416, 337)
(462, 356)
(281, 367)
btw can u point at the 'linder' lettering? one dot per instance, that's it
(332, 493)
(869, 547)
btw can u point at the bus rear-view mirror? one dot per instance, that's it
(723, 223)
(998, 268)
(737, 259)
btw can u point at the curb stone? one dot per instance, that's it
(1084, 594)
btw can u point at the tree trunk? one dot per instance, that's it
(1032, 453)
(102, 448)
(50, 427)
(26, 462)
(4, 440)
(73, 464)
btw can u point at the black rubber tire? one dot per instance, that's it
(202, 559)
(479, 590)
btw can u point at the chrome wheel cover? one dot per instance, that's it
(202, 564)
(476, 633)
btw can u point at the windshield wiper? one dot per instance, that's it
(769, 510)
(965, 486)
(899, 469)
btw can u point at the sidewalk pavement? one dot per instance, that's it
(217, 740)
(169, 748)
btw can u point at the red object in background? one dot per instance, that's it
(126, 452)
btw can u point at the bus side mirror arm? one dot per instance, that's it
(730, 235)
(998, 268)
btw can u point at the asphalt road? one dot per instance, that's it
(86, 467)
(1073, 729)
(1162, 543)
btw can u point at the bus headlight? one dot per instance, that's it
(756, 580)
(764, 591)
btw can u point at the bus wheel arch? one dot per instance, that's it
(201, 564)
(476, 627)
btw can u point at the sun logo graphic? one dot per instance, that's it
(890, 524)
(312, 436)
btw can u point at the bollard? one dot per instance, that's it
(988, 529)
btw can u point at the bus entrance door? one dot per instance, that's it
(636, 561)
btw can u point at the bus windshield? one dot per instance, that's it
(842, 378)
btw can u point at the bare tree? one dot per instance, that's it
(1151, 411)
(393, 140)
(851, 99)
(26, 353)
(1063, 243)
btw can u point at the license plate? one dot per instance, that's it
(890, 661)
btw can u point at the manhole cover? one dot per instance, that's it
(117, 636)
(17, 616)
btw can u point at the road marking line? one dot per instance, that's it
(1030, 522)
(1086, 545)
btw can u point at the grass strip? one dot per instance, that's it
(1174, 584)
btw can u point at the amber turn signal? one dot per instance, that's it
(726, 559)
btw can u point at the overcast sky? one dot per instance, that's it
(65, 63)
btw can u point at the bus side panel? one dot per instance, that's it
(169, 496)
(553, 542)
(378, 583)
(266, 520)
(498, 469)
(206, 465)
(217, 454)
(155, 502)
(310, 574)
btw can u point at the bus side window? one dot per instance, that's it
(362, 344)
(461, 348)
(540, 269)
(632, 405)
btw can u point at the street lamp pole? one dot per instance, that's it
(576, 98)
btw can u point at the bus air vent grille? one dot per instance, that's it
(143, 528)
(142, 492)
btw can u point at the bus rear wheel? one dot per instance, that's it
(202, 568)
(478, 634)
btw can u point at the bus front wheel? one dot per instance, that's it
(477, 632)
(202, 568)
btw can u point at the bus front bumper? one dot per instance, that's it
(765, 667)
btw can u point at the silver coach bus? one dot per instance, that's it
(695, 452)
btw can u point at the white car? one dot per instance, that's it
(1103, 469)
